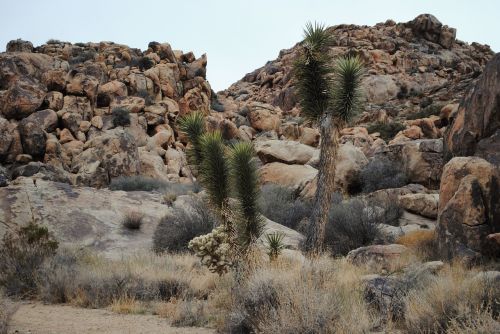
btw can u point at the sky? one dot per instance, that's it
(237, 36)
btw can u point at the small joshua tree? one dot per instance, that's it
(330, 96)
(222, 169)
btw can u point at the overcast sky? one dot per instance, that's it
(238, 36)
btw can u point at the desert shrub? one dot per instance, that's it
(137, 183)
(56, 280)
(185, 313)
(431, 110)
(82, 57)
(423, 242)
(387, 208)
(7, 309)
(280, 205)
(319, 297)
(351, 224)
(387, 130)
(148, 99)
(53, 41)
(382, 174)
(145, 183)
(121, 117)
(132, 220)
(145, 63)
(451, 300)
(23, 252)
(175, 230)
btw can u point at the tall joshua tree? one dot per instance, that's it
(330, 94)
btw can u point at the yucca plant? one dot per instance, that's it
(193, 126)
(330, 94)
(214, 169)
(275, 244)
(245, 183)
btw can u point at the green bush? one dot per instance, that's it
(23, 252)
(387, 130)
(175, 230)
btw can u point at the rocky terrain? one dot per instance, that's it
(76, 117)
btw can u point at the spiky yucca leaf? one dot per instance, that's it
(312, 70)
(245, 181)
(214, 170)
(346, 94)
(275, 244)
(193, 126)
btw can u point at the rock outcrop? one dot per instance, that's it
(475, 127)
(469, 208)
(57, 102)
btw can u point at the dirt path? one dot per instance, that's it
(34, 318)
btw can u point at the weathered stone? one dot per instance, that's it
(292, 176)
(478, 118)
(422, 204)
(263, 117)
(469, 207)
(286, 151)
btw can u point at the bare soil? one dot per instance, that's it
(35, 318)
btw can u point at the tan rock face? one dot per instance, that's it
(422, 159)
(292, 176)
(422, 204)
(110, 155)
(263, 117)
(475, 129)
(286, 151)
(81, 216)
(22, 99)
(469, 207)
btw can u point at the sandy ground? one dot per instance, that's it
(34, 318)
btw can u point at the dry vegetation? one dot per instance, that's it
(288, 295)
(6, 311)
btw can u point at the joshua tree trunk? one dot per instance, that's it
(326, 177)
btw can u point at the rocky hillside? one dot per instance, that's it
(57, 102)
(410, 66)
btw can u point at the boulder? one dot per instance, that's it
(431, 29)
(152, 165)
(77, 104)
(422, 159)
(422, 204)
(53, 100)
(469, 207)
(380, 88)
(33, 138)
(474, 128)
(107, 156)
(376, 254)
(19, 45)
(82, 217)
(263, 117)
(82, 85)
(133, 104)
(285, 151)
(292, 176)
(22, 99)
(106, 92)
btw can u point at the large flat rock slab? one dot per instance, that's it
(81, 216)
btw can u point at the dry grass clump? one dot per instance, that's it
(422, 242)
(455, 299)
(128, 305)
(88, 280)
(133, 220)
(293, 296)
(7, 309)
